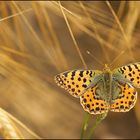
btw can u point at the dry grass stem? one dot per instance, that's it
(38, 40)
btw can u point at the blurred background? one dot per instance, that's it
(39, 39)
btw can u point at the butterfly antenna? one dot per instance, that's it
(115, 59)
(88, 52)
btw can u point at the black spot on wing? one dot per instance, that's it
(73, 73)
(58, 79)
(97, 108)
(73, 83)
(130, 69)
(88, 105)
(126, 107)
(132, 79)
(73, 89)
(116, 107)
(79, 79)
(97, 103)
(90, 74)
(72, 78)
(132, 97)
(65, 74)
(121, 70)
(87, 72)
(130, 103)
(84, 80)
(124, 68)
(102, 105)
(81, 74)
(85, 100)
(121, 106)
(136, 66)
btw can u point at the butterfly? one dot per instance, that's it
(103, 91)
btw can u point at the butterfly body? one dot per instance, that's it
(103, 91)
(104, 85)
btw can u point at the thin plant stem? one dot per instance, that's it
(85, 124)
(97, 122)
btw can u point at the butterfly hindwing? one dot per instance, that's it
(125, 100)
(131, 72)
(76, 81)
(93, 104)
(100, 91)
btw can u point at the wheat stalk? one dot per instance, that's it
(8, 129)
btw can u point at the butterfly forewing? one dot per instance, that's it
(87, 84)
(92, 103)
(131, 72)
(125, 100)
(76, 81)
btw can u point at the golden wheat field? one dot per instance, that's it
(40, 39)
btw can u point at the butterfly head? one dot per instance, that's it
(106, 68)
